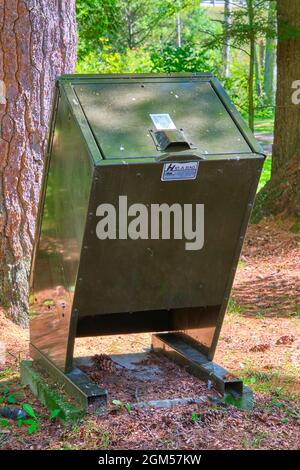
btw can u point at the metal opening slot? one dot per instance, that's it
(171, 140)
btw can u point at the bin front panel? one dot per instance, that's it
(119, 116)
(125, 275)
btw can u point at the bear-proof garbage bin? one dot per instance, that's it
(148, 188)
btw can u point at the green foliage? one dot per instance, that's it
(54, 414)
(48, 302)
(240, 28)
(10, 394)
(127, 24)
(296, 227)
(95, 19)
(182, 59)
(32, 425)
(237, 83)
(246, 26)
(122, 406)
(108, 61)
(141, 18)
(169, 59)
(266, 173)
(281, 404)
(265, 125)
(29, 410)
(234, 307)
(11, 399)
(139, 36)
(33, 422)
(4, 423)
(295, 313)
(128, 407)
(255, 442)
(200, 26)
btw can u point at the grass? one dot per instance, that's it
(279, 385)
(5, 374)
(234, 307)
(264, 125)
(266, 173)
(295, 314)
(288, 411)
(255, 442)
(242, 264)
(90, 432)
(8, 374)
(260, 315)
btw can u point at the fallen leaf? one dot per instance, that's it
(260, 348)
(285, 339)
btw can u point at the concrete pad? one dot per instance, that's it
(131, 362)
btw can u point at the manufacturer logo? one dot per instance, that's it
(173, 171)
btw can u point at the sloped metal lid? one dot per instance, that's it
(124, 114)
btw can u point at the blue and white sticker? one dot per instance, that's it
(174, 171)
(162, 122)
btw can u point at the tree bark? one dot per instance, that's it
(281, 195)
(261, 47)
(178, 30)
(251, 65)
(287, 118)
(270, 58)
(257, 73)
(37, 43)
(226, 46)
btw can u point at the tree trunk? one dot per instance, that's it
(178, 30)
(257, 73)
(251, 66)
(287, 119)
(130, 36)
(226, 47)
(281, 195)
(270, 58)
(251, 86)
(37, 43)
(261, 47)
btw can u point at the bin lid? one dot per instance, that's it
(124, 114)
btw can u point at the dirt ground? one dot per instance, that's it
(259, 343)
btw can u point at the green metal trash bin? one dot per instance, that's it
(134, 148)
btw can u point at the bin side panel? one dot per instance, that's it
(59, 246)
(160, 278)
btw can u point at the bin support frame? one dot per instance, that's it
(177, 349)
(75, 383)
